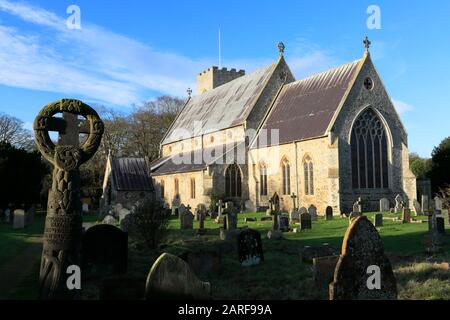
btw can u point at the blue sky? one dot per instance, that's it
(130, 51)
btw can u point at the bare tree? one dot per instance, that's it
(13, 132)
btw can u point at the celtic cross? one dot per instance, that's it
(62, 234)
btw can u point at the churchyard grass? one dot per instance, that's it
(283, 276)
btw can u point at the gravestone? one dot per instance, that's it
(126, 224)
(283, 223)
(109, 219)
(323, 270)
(176, 203)
(202, 216)
(275, 200)
(231, 219)
(406, 216)
(294, 216)
(437, 203)
(85, 208)
(63, 226)
(362, 248)
(186, 218)
(399, 205)
(312, 210)
(247, 220)
(353, 216)
(250, 248)
(425, 204)
(7, 215)
(29, 215)
(417, 207)
(305, 221)
(19, 219)
(378, 220)
(357, 206)
(105, 247)
(220, 208)
(384, 205)
(171, 278)
(275, 233)
(123, 213)
(440, 225)
(329, 213)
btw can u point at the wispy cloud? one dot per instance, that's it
(108, 67)
(402, 107)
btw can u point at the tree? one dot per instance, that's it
(13, 133)
(440, 170)
(22, 174)
(421, 167)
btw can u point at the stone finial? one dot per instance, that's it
(367, 43)
(281, 48)
(189, 92)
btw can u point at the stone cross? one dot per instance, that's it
(367, 43)
(62, 235)
(293, 197)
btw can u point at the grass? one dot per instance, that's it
(282, 275)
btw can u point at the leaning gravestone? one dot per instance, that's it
(19, 219)
(171, 278)
(362, 249)
(312, 210)
(406, 216)
(305, 221)
(437, 203)
(329, 213)
(384, 205)
(250, 248)
(417, 207)
(63, 226)
(186, 218)
(105, 248)
(399, 204)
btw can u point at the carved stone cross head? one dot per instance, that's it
(68, 154)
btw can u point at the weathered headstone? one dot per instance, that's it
(384, 205)
(220, 208)
(294, 216)
(250, 248)
(329, 213)
(425, 204)
(176, 203)
(186, 217)
(202, 216)
(108, 219)
(275, 200)
(85, 208)
(406, 216)
(323, 270)
(126, 223)
(7, 215)
(417, 207)
(283, 223)
(362, 255)
(63, 226)
(105, 247)
(305, 221)
(312, 210)
(399, 204)
(171, 278)
(437, 203)
(378, 219)
(357, 206)
(19, 219)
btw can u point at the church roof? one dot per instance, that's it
(208, 156)
(305, 108)
(223, 107)
(131, 174)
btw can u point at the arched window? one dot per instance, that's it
(162, 189)
(369, 152)
(233, 184)
(192, 188)
(308, 169)
(286, 179)
(176, 187)
(263, 180)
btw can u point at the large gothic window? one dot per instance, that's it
(369, 152)
(233, 182)
(286, 177)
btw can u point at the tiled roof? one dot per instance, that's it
(305, 108)
(223, 107)
(131, 174)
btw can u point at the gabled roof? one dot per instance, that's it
(131, 174)
(189, 160)
(223, 107)
(305, 108)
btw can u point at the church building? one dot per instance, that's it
(325, 140)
